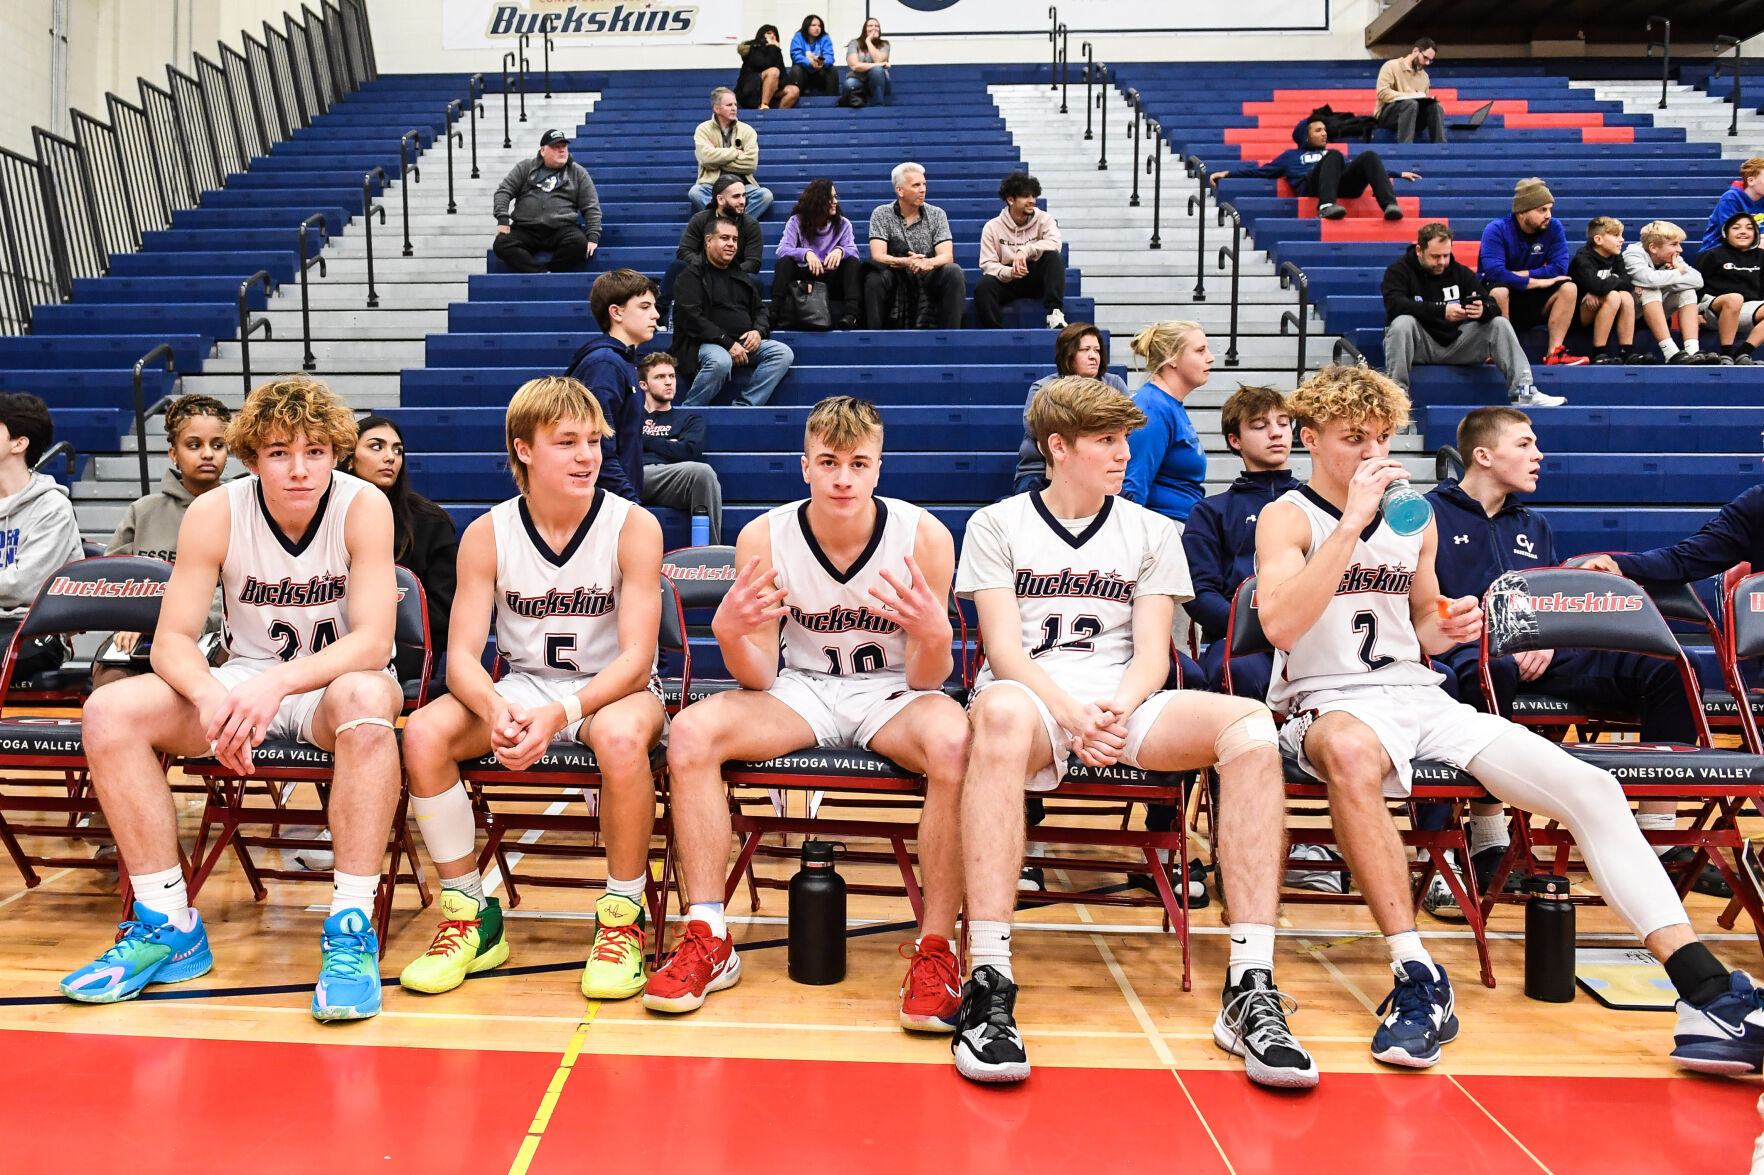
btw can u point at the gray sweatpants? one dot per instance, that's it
(1407, 343)
(686, 486)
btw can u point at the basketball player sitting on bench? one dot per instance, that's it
(1354, 607)
(572, 576)
(303, 555)
(854, 589)
(1076, 588)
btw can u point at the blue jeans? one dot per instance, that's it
(758, 199)
(877, 86)
(715, 367)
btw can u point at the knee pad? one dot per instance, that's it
(447, 823)
(1251, 732)
(355, 722)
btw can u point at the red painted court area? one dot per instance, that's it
(85, 1103)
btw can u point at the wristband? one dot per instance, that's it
(572, 708)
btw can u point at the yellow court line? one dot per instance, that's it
(542, 1119)
(1499, 1123)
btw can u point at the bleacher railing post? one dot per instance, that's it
(1154, 166)
(408, 173)
(1089, 69)
(368, 208)
(159, 353)
(447, 129)
(1198, 203)
(475, 99)
(1722, 44)
(1233, 251)
(1291, 275)
(545, 27)
(248, 327)
(1664, 44)
(309, 361)
(508, 59)
(1133, 101)
(63, 449)
(1053, 36)
(1065, 65)
(524, 62)
(1102, 100)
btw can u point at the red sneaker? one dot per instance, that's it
(931, 993)
(701, 964)
(1561, 358)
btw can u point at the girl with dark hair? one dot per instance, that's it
(762, 71)
(811, 59)
(423, 536)
(818, 244)
(1078, 350)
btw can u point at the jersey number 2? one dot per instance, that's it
(1366, 624)
(323, 633)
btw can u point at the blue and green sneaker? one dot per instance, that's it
(349, 969)
(151, 949)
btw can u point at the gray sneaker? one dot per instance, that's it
(1439, 902)
(1529, 397)
(1321, 880)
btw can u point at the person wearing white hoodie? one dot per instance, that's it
(1666, 288)
(38, 532)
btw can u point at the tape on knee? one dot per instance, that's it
(447, 823)
(1249, 733)
(355, 722)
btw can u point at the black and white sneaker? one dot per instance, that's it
(1030, 879)
(1252, 1025)
(987, 1045)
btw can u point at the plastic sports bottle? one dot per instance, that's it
(1405, 509)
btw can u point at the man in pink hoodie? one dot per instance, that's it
(1020, 256)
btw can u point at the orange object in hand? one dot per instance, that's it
(1445, 608)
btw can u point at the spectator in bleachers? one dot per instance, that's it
(762, 73)
(811, 59)
(1078, 350)
(1666, 289)
(729, 196)
(1314, 168)
(1167, 470)
(674, 474)
(724, 145)
(1404, 95)
(1733, 288)
(1745, 195)
(866, 68)
(1607, 298)
(1435, 311)
(547, 202)
(424, 539)
(38, 532)
(817, 239)
(1734, 536)
(1524, 261)
(720, 323)
(1020, 256)
(911, 279)
(623, 302)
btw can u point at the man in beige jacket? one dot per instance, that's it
(1404, 95)
(725, 146)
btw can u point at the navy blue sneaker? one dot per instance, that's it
(1725, 1035)
(1420, 1019)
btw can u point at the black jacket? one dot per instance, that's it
(756, 58)
(753, 241)
(1409, 289)
(673, 436)
(708, 304)
(1594, 273)
(430, 551)
(1727, 270)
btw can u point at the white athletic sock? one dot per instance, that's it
(1668, 347)
(1657, 822)
(1691, 346)
(989, 945)
(164, 893)
(1488, 832)
(632, 889)
(711, 914)
(470, 884)
(1406, 948)
(1252, 946)
(352, 891)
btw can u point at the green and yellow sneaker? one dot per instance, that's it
(615, 964)
(469, 940)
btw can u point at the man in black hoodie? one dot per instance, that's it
(1733, 288)
(1435, 311)
(547, 202)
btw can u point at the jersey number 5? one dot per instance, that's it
(323, 633)
(1366, 624)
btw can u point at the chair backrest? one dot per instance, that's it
(1745, 617)
(107, 594)
(411, 629)
(1572, 608)
(673, 618)
(92, 550)
(1676, 601)
(702, 575)
(1243, 632)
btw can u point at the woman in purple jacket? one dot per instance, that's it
(818, 245)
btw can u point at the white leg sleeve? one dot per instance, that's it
(448, 825)
(1532, 773)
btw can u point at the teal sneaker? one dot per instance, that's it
(150, 950)
(349, 969)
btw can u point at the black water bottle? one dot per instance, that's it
(1549, 940)
(817, 916)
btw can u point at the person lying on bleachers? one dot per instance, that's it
(1607, 298)
(762, 73)
(1435, 311)
(623, 302)
(1078, 350)
(720, 323)
(547, 202)
(818, 238)
(729, 196)
(724, 145)
(38, 532)
(912, 280)
(811, 59)
(1404, 95)
(1666, 289)
(867, 80)
(1020, 256)
(1733, 288)
(674, 473)
(1314, 168)
(1745, 195)
(1524, 262)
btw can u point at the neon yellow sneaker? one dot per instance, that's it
(469, 940)
(615, 964)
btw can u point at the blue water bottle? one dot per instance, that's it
(701, 527)
(1405, 509)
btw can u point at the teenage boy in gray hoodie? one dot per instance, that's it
(38, 533)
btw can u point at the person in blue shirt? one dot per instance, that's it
(1314, 168)
(1167, 470)
(1524, 264)
(1733, 536)
(812, 68)
(1746, 195)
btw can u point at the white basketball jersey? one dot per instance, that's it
(284, 599)
(1366, 635)
(834, 625)
(557, 612)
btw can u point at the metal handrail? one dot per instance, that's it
(1664, 45)
(1344, 351)
(1065, 65)
(1053, 36)
(59, 449)
(1232, 252)
(368, 208)
(1089, 71)
(1102, 100)
(1447, 462)
(448, 123)
(309, 361)
(545, 27)
(1156, 158)
(1135, 101)
(508, 59)
(475, 99)
(1291, 275)
(248, 326)
(409, 173)
(162, 352)
(521, 44)
(1722, 44)
(1197, 203)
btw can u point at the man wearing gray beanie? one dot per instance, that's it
(1524, 263)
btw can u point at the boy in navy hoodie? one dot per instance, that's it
(1314, 168)
(623, 302)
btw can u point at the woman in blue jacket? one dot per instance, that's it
(1167, 470)
(812, 68)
